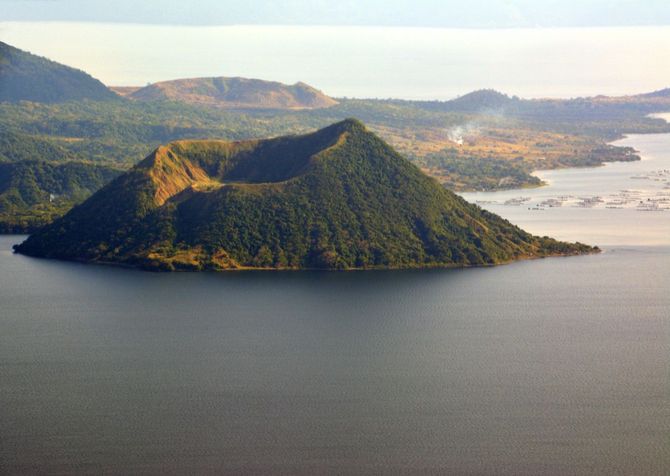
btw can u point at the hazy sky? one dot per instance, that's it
(439, 13)
(360, 48)
(365, 61)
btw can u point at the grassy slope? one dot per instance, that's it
(235, 93)
(337, 198)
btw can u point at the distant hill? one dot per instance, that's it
(26, 77)
(558, 114)
(481, 100)
(336, 198)
(661, 93)
(34, 192)
(234, 93)
(484, 99)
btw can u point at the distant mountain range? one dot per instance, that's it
(27, 77)
(338, 198)
(485, 101)
(24, 76)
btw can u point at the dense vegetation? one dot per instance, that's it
(28, 77)
(18, 147)
(33, 193)
(337, 198)
(480, 173)
(121, 132)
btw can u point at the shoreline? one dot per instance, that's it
(113, 264)
(596, 205)
(665, 116)
(546, 183)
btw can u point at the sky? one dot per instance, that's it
(421, 13)
(414, 49)
(361, 61)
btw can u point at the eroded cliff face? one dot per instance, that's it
(172, 174)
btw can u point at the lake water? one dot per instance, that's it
(555, 366)
(620, 203)
(380, 62)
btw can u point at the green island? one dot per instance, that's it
(337, 198)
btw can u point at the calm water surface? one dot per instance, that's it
(555, 366)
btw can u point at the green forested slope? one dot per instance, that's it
(33, 192)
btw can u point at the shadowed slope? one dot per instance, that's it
(24, 76)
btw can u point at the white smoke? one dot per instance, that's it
(461, 133)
